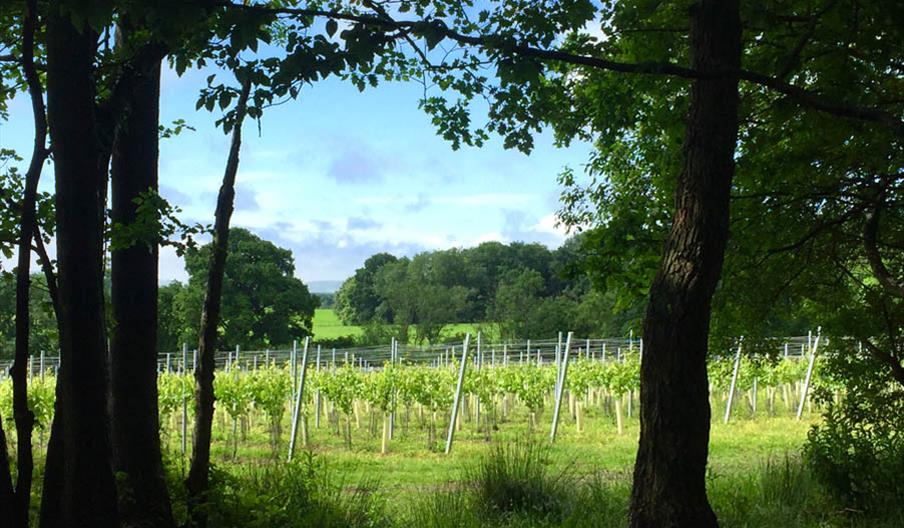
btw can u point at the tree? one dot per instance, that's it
(530, 70)
(199, 470)
(16, 499)
(144, 499)
(263, 303)
(86, 493)
(670, 473)
(516, 296)
(439, 306)
(173, 328)
(43, 335)
(356, 300)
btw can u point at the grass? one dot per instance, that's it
(327, 325)
(755, 475)
(515, 484)
(410, 468)
(517, 479)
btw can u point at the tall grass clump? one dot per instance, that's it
(599, 503)
(516, 479)
(443, 509)
(788, 493)
(301, 493)
(780, 492)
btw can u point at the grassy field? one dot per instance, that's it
(327, 325)
(755, 477)
(411, 468)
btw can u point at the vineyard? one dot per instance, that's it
(376, 392)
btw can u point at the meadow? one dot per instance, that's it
(328, 326)
(755, 478)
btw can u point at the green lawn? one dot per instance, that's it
(327, 325)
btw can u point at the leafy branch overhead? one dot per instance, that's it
(539, 48)
(156, 223)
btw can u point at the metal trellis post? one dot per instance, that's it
(456, 402)
(734, 381)
(560, 386)
(806, 387)
(298, 398)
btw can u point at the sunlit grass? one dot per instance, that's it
(327, 325)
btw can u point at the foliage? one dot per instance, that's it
(526, 288)
(530, 383)
(232, 391)
(263, 303)
(172, 390)
(341, 386)
(858, 450)
(41, 398)
(301, 493)
(156, 223)
(43, 333)
(379, 388)
(430, 387)
(356, 300)
(271, 388)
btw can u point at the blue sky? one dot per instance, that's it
(339, 175)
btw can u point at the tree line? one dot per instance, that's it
(525, 289)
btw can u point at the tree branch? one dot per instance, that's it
(46, 267)
(893, 362)
(870, 245)
(818, 228)
(495, 43)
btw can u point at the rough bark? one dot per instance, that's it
(199, 471)
(84, 493)
(669, 475)
(143, 497)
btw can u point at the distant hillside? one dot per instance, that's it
(324, 286)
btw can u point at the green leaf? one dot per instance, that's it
(331, 27)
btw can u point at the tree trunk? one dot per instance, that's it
(17, 501)
(86, 487)
(199, 472)
(670, 472)
(143, 497)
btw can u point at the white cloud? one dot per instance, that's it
(466, 200)
(550, 224)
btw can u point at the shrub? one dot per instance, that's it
(857, 453)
